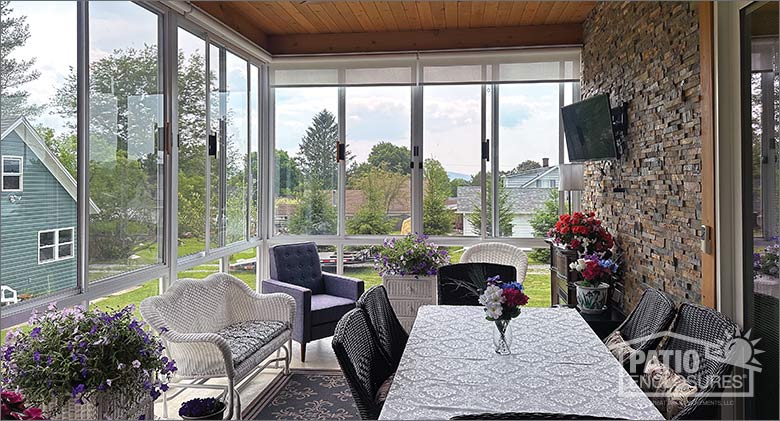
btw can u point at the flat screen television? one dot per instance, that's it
(588, 128)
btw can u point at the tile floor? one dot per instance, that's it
(319, 355)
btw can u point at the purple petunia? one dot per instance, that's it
(77, 390)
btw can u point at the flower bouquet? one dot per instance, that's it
(14, 408)
(77, 360)
(202, 409)
(581, 232)
(597, 276)
(409, 255)
(503, 302)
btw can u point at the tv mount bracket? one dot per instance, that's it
(619, 116)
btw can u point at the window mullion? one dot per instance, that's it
(82, 145)
(342, 167)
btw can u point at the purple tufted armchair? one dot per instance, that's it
(321, 298)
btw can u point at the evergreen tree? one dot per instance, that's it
(505, 213)
(379, 188)
(315, 214)
(14, 33)
(317, 151)
(542, 221)
(289, 176)
(437, 219)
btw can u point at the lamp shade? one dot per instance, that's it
(572, 177)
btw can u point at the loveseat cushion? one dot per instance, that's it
(246, 338)
(298, 264)
(329, 308)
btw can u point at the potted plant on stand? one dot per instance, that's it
(202, 409)
(86, 364)
(597, 277)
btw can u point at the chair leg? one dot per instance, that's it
(288, 358)
(238, 405)
(165, 405)
(278, 353)
(231, 399)
(303, 352)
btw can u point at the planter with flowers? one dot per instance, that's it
(408, 267)
(202, 409)
(583, 233)
(87, 364)
(597, 277)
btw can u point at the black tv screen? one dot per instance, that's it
(588, 128)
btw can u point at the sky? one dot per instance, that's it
(528, 114)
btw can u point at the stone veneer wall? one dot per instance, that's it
(647, 54)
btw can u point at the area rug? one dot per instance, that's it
(305, 394)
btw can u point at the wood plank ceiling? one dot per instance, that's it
(290, 27)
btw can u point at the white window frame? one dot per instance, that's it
(56, 245)
(4, 174)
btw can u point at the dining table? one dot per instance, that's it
(557, 365)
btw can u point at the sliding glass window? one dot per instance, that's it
(306, 171)
(38, 187)
(126, 163)
(378, 137)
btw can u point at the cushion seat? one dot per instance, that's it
(329, 308)
(246, 338)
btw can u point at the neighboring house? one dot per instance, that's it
(37, 214)
(527, 192)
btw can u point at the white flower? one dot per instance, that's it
(492, 295)
(578, 265)
(494, 310)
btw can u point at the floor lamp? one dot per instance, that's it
(572, 179)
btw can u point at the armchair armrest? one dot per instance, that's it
(302, 297)
(343, 286)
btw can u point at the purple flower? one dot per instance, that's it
(37, 357)
(77, 390)
(136, 364)
(35, 332)
(48, 360)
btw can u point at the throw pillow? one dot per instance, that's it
(618, 347)
(671, 392)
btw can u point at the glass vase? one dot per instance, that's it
(502, 337)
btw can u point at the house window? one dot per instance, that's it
(12, 173)
(54, 245)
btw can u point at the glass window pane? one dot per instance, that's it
(451, 170)
(126, 137)
(254, 144)
(378, 136)
(358, 263)
(65, 251)
(306, 134)
(46, 238)
(236, 151)
(12, 182)
(528, 157)
(11, 165)
(46, 254)
(243, 265)
(39, 84)
(192, 143)
(65, 236)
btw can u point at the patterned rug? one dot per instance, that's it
(305, 395)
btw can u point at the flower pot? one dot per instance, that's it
(592, 300)
(106, 406)
(219, 415)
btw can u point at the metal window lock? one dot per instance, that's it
(706, 239)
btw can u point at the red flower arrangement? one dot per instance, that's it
(14, 409)
(582, 232)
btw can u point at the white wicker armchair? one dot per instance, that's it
(219, 327)
(498, 253)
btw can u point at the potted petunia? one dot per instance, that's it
(412, 256)
(598, 275)
(82, 363)
(202, 409)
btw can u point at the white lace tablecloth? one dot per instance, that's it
(557, 365)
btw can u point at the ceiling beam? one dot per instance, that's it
(363, 42)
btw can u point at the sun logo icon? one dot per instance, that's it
(742, 351)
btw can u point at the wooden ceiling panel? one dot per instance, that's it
(262, 20)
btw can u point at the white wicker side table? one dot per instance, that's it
(407, 294)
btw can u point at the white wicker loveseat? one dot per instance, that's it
(219, 327)
(500, 254)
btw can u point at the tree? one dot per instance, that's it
(505, 213)
(289, 180)
(14, 72)
(437, 219)
(390, 157)
(315, 214)
(379, 188)
(317, 151)
(525, 166)
(542, 221)
(455, 183)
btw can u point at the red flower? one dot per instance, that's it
(11, 397)
(575, 244)
(514, 298)
(32, 414)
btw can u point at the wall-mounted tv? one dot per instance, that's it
(588, 128)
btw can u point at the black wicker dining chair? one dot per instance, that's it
(708, 333)
(461, 283)
(643, 328)
(365, 368)
(527, 416)
(384, 323)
